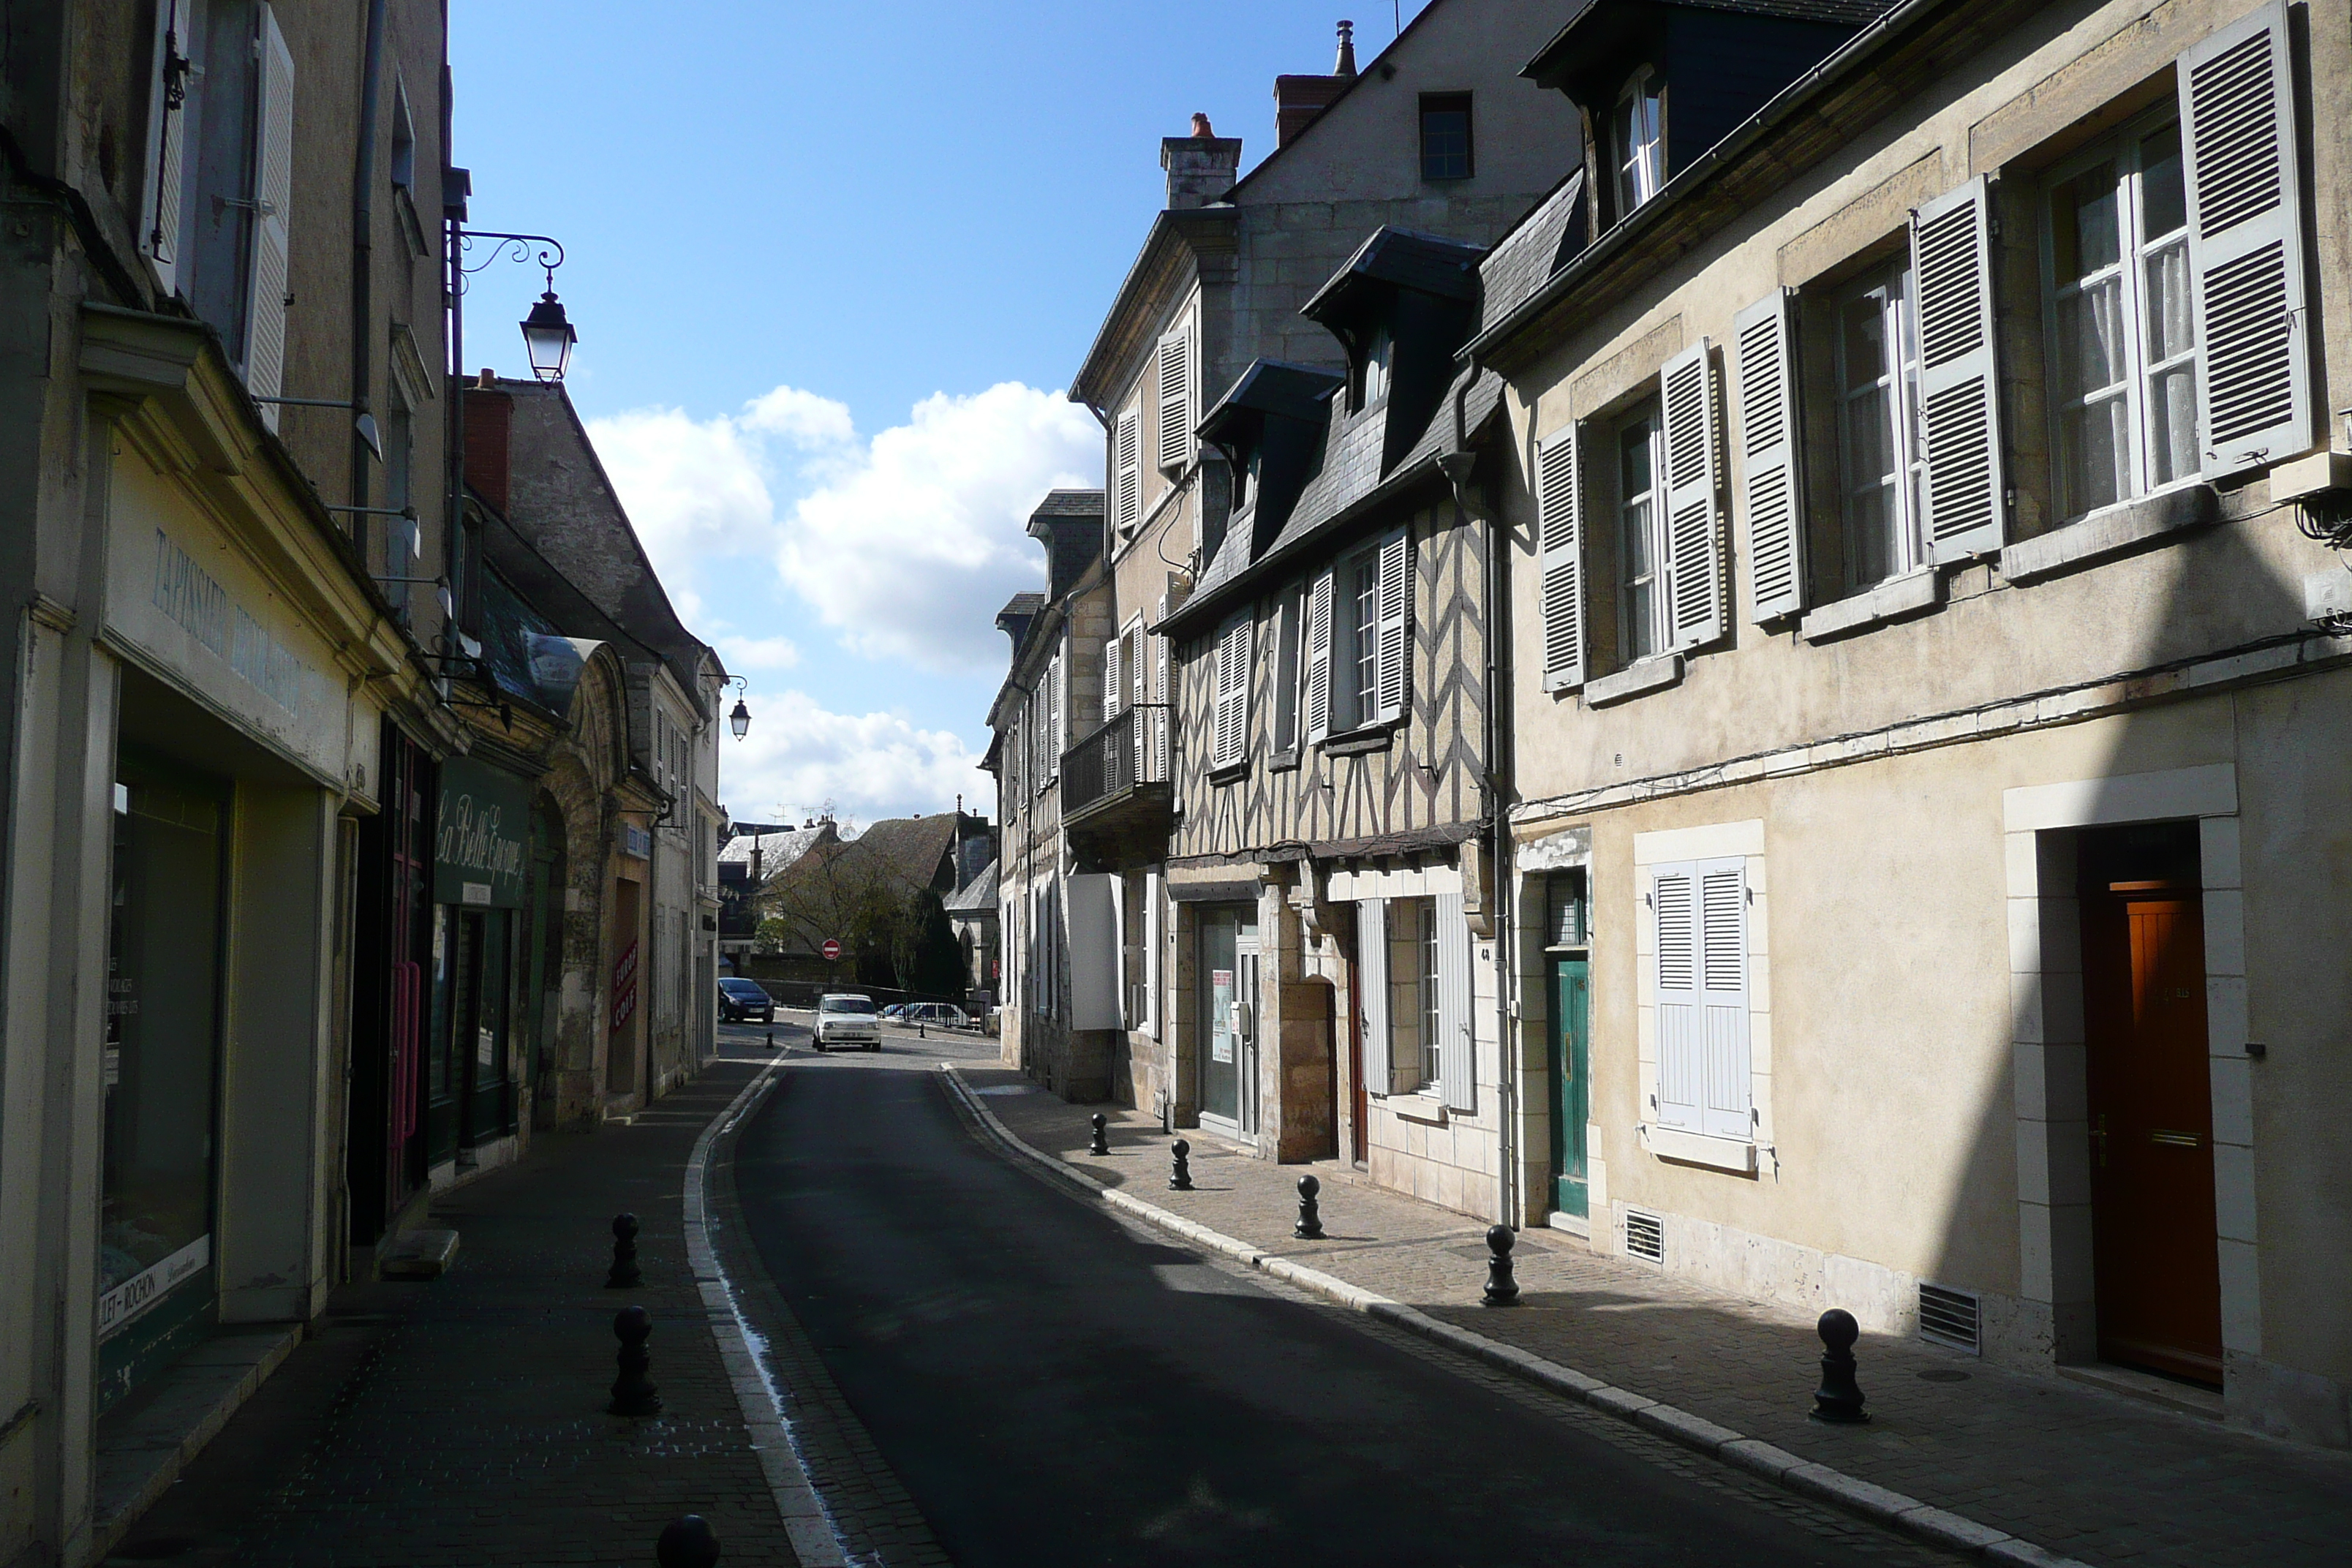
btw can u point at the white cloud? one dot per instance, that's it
(909, 549)
(798, 756)
(906, 544)
(743, 654)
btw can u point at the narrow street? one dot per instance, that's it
(1051, 1386)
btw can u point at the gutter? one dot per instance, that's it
(364, 261)
(1846, 58)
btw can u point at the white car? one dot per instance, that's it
(847, 1019)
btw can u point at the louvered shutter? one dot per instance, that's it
(1559, 544)
(1723, 999)
(1373, 990)
(159, 233)
(1959, 395)
(1457, 1061)
(1140, 727)
(1054, 735)
(1768, 459)
(1237, 693)
(1694, 556)
(1175, 400)
(1221, 729)
(1126, 478)
(2245, 244)
(1159, 720)
(273, 190)
(1675, 894)
(1110, 687)
(1318, 657)
(1393, 672)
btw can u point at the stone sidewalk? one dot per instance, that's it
(2078, 1470)
(461, 1421)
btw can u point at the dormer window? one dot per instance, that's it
(1372, 369)
(1245, 473)
(1638, 147)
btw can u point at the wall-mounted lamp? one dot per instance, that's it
(739, 720)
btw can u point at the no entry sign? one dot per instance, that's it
(831, 949)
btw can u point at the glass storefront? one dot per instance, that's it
(162, 1068)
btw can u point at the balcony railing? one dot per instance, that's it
(1127, 751)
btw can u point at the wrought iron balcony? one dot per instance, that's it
(1115, 787)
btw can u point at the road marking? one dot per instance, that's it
(815, 1535)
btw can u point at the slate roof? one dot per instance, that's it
(1273, 386)
(1408, 259)
(975, 897)
(1540, 244)
(1070, 503)
(778, 851)
(1844, 12)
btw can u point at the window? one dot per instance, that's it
(1882, 470)
(1640, 511)
(1372, 367)
(1639, 149)
(1564, 909)
(1700, 964)
(404, 139)
(1246, 481)
(1413, 1031)
(1445, 136)
(1229, 718)
(1289, 629)
(2122, 347)
(1359, 642)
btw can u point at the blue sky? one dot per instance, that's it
(831, 266)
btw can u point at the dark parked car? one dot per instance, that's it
(741, 1001)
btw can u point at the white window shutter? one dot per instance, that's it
(1053, 718)
(1160, 719)
(1126, 478)
(1133, 656)
(1694, 556)
(1222, 744)
(166, 170)
(273, 191)
(1559, 543)
(1373, 990)
(1675, 893)
(1457, 1061)
(2245, 244)
(1318, 657)
(1769, 488)
(1959, 392)
(1394, 670)
(1723, 999)
(1111, 686)
(1175, 400)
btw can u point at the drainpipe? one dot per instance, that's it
(364, 261)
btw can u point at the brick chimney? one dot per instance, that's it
(1201, 167)
(1298, 99)
(489, 423)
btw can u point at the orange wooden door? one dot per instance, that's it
(2158, 1272)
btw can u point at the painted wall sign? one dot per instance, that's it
(481, 844)
(624, 986)
(143, 1289)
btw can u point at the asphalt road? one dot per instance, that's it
(1051, 1387)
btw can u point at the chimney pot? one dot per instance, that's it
(487, 379)
(1347, 62)
(1200, 125)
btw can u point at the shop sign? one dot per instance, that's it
(636, 842)
(481, 849)
(624, 986)
(144, 1289)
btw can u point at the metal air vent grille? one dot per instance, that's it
(1645, 1236)
(1950, 1317)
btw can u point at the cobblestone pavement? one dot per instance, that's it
(462, 1421)
(2079, 1470)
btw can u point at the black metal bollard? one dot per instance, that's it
(1502, 1290)
(771, 1046)
(1311, 1213)
(1100, 1143)
(1180, 1179)
(1839, 1399)
(625, 1253)
(688, 1542)
(633, 1394)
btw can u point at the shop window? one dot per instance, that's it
(161, 1069)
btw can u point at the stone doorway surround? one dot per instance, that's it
(2057, 1318)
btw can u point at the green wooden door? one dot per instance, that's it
(1571, 1056)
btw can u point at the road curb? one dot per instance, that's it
(1936, 1526)
(816, 1538)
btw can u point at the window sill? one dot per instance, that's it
(1639, 678)
(1417, 1107)
(1732, 1154)
(1232, 772)
(1897, 598)
(1283, 762)
(1356, 743)
(2110, 532)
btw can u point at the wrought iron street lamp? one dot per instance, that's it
(548, 337)
(739, 720)
(547, 332)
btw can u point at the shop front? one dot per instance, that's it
(480, 960)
